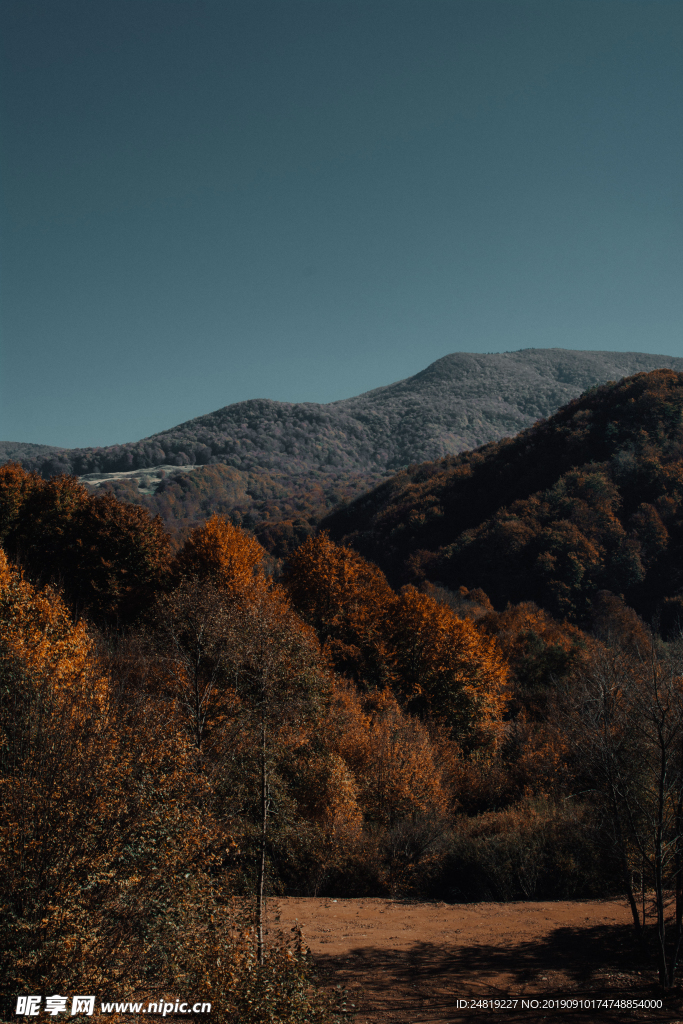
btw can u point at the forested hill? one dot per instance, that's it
(458, 403)
(590, 499)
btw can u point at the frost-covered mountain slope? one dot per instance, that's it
(457, 403)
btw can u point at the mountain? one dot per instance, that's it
(459, 402)
(264, 462)
(588, 500)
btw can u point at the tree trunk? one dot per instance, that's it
(659, 874)
(678, 866)
(631, 899)
(625, 869)
(262, 852)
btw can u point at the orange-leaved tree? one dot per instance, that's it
(224, 555)
(540, 651)
(395, 778)
(435, 662)
(344, 597)
(445, 666)
(112, 875)
(103, 842)
(16, 486)
(389, 753)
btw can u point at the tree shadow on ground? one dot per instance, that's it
(426, 981)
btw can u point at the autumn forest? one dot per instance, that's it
(466, 684)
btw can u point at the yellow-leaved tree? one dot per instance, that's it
(98, 825)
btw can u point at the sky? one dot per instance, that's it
(206, 201)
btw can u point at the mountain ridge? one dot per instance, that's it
(458, 402)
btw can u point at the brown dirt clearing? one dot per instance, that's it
(410, 963)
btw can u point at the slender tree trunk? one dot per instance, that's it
(262, 852)
(661, 925)
(659, 874)
(631, 899)
(625, 869)
(197, 707)
(679, 893)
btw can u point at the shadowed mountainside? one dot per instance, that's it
(588, 500)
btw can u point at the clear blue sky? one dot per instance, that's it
(204, 201)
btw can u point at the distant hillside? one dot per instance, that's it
(458, 403)
(590, 499)
(279, 467)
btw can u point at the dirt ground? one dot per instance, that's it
(423, 963)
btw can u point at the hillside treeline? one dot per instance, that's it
(282, 510)
(184, 733)
(254, 435)
(586, 501)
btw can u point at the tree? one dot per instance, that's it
(120, 561)
(247, 679)
(280, 682)
(16, 486)
(190, 641)
(103, 841)
(106, 556)
(223, 554)
(445, 665)
(394, 778)
(344, 597)
(435, 662)
(625, 718)
(539, 651)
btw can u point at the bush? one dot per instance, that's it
(281, 989)
(534, 850)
